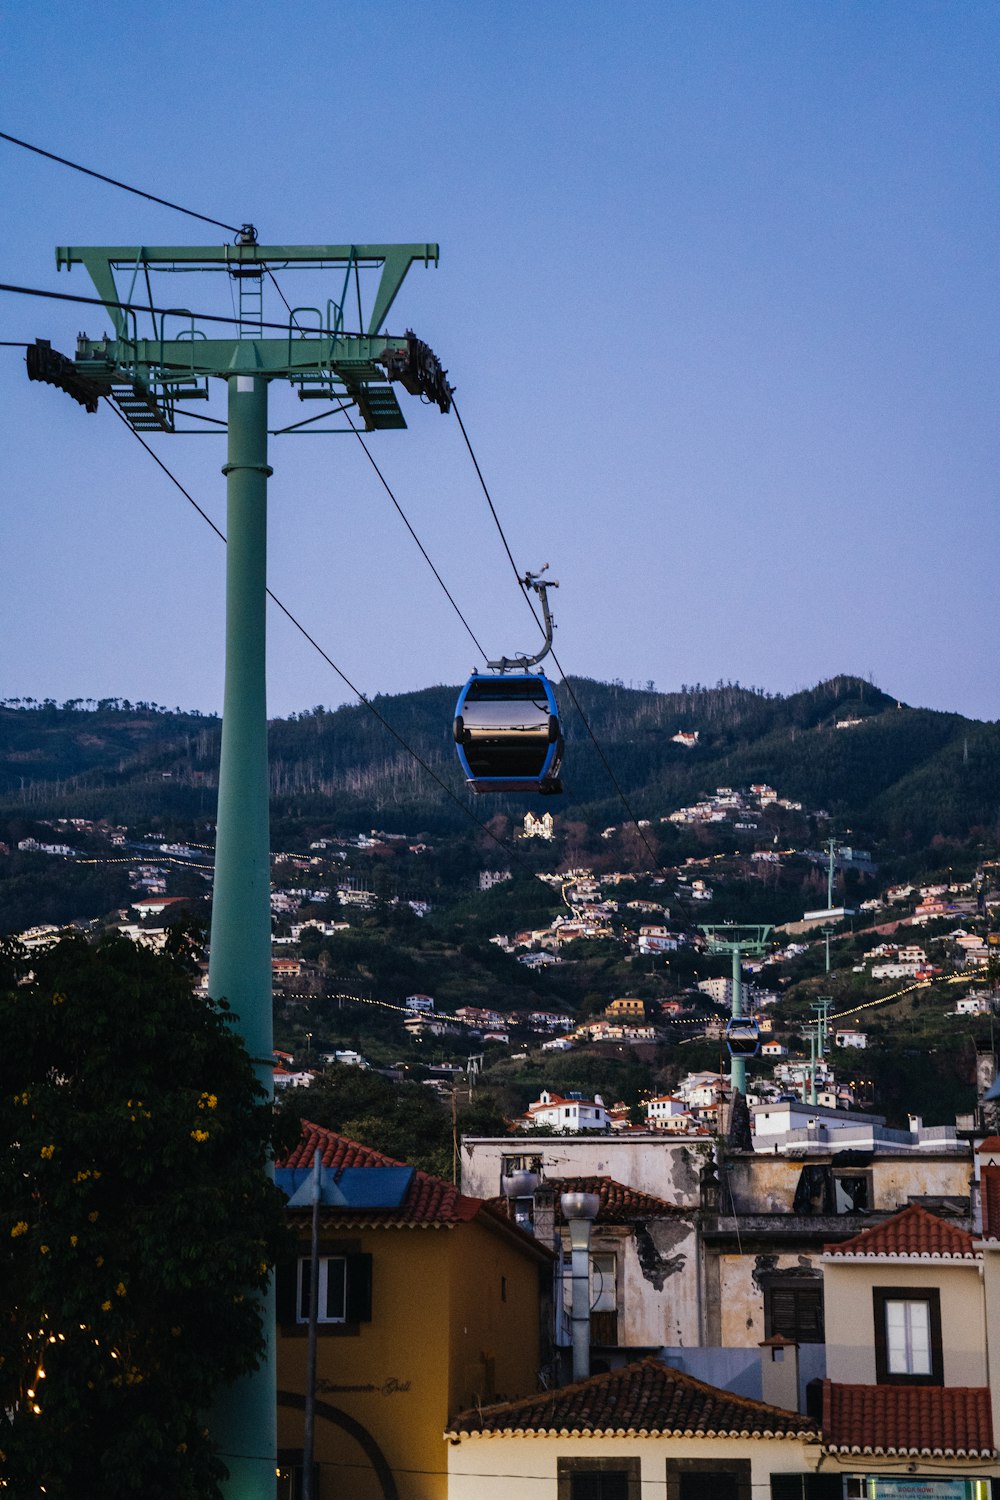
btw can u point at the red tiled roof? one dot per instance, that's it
(914, 1233)
(991, 1143)
(429, 1201)
(644, 1397)
(953, 1421)
(619, 1204)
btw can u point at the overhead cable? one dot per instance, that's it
(512, 853)
(568, 685)
(136, 307)
(345, 411)
(64, 161)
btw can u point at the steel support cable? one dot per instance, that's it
(64, 161)
(496, 518)
(388, 489)
(138, 307)
(508, 850)
(568, 685)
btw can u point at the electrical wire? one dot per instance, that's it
(566, 682)
(279, 604)
(136, 307)
(64, 161)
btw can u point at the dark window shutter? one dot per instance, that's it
(285, 1286)
(359, 1288)
(786, 1486)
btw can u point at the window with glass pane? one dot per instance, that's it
(598, 1479)
(908, 1338)
(332, 1299)
(603, 1282)
(908, 1347)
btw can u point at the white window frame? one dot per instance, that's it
(908, 1349)
(328, 1285)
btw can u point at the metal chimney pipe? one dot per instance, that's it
(581, 1210)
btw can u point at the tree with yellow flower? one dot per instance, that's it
(136, 1226)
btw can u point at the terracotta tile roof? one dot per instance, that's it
(913, 1234)
(953, 1421)
(430, 1202)
(619, 1204)
(644, 1397)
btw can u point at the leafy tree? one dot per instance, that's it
(137, 1222)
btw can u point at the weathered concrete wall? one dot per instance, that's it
(666, 1168)
(741, 1295)
(766, 1184)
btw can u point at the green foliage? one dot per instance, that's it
(40, 888)
(137, 1222)
(405, 1120)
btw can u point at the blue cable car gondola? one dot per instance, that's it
(508, 734)
(742, 1036)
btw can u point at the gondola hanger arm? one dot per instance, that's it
(541, 587)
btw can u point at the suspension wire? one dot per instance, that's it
(566, 682)
(114, 182)
(345, 410)
(136, 307)
(386, 486)
(493, 513)
(507, 848)
(15, 344)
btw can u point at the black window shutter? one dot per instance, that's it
(359, 1288)
(787, 1486)
(285, 1290)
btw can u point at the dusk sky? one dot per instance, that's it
(718, 291)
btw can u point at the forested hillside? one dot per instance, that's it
(901, 774)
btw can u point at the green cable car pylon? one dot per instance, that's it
(156, 368)
(743, 1040)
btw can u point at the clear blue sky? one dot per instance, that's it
(717, 288)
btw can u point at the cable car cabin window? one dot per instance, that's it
(525, 760)
(510, 689)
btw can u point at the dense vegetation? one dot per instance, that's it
(136, 1215)
(902, 774)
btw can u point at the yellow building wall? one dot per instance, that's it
(494, 1349)
(437, 1309)
(392, 1377)
(850, 1326)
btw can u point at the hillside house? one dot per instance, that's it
(570, 1112)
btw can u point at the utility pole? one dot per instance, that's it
(156, 369)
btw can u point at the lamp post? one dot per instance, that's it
(580, 1210)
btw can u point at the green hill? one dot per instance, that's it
(902, 774)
